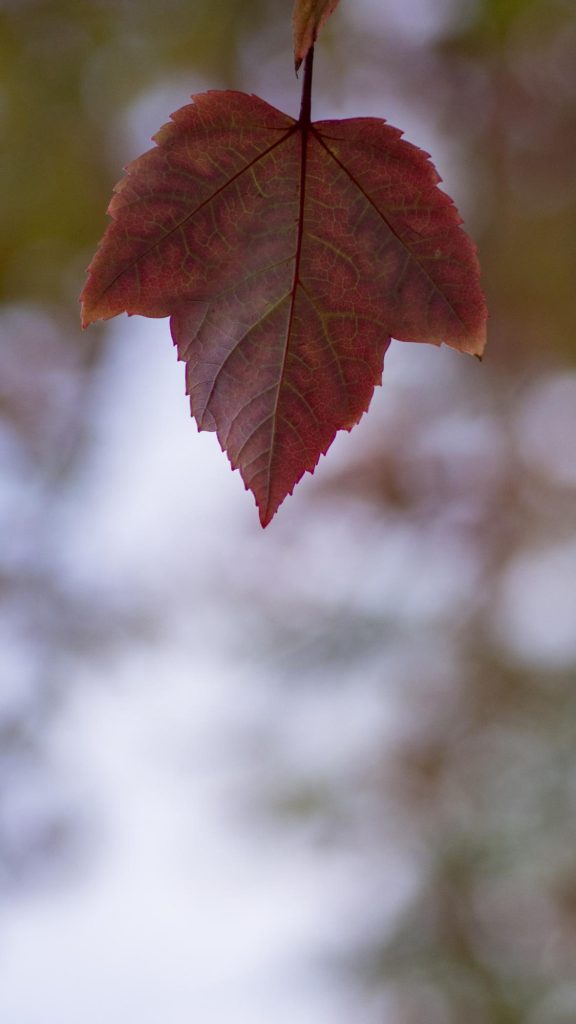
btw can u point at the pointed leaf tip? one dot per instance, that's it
(308, 17)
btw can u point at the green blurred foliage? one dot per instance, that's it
(67, 71)
(525, 175)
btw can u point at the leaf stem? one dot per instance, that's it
(306, 104)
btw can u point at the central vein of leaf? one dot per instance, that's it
(303, 126)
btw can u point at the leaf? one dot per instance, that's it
(308, 18)
(287, 254)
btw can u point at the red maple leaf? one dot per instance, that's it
(287, 254)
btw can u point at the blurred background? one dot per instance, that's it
(325, 772)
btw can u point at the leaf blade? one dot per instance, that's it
(287, 255)
(164, 189)
(387, 170)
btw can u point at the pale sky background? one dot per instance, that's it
(187, 908)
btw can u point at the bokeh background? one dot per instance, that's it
(325, 772)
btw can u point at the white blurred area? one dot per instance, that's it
(192, 904)
(182, 909)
